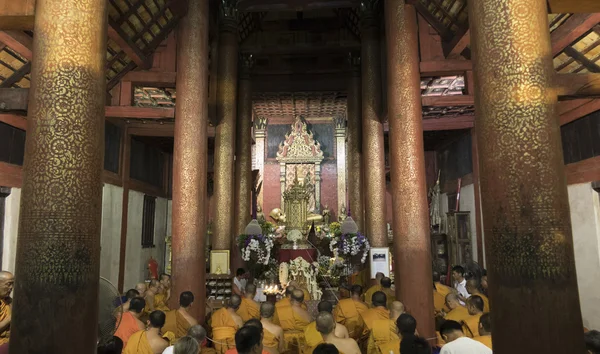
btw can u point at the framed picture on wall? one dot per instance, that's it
(219, 262)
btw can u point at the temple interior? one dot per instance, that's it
(243, 150)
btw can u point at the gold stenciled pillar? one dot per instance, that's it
(410, 211)
(260, 133)
(525, 206)
(372, 128)
(58, 248)
(243, 157)
(354, 151)
(225, 131)
(190, 156)
(340, 139)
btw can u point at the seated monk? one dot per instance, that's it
(141, 288)
(224, 323)
(485, 331)
(326, 348)
(374, 288)
(473, 287)
(130, 294)
(312, 335)
(148, 341)
(457, 312)
(179, 321)
(326, 326)
(293, 319)
(471, 323)
(249, 308)
(199, 334)
(386, 288)
(285, 301)
(248, 340)
(7, 281)
(160, 299)
(251, 323)
(165, 281)
(348, 312)
(130, 321)
(150, 295)
(273, 341)
(439, 294)
(379, 311)
(385, 333)
(295, 284)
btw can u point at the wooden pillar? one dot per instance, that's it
(407, 161)
(529, 245)
(372, 128)
(190, 157)
(58, 248)
(260, 133)
(354, 158)
(340, 148)
(243, 159)
(225, 130)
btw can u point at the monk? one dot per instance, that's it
(250, 323)
(326, 326)
(439, 294)
(141, 288)
(150, 295)
(148, 341)
(297, 286)
(180, 320)
(293, 319)
(313, 337)
(384, 336)
(130, 320)
(485, 331)
(386, 288)
(199, 334)
(160, 299)
(273, 341)
(165, 281)
(224, 323)
(249, 308)
(374, 288)
(378, 311)
(473, 287)
(471, 323)
(348, 312)
(457, 312)
(248, 340)
(7, 282)
(286, 301)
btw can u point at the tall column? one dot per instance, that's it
(260, 132)
(58, 248)
(190, 171)
(354, 152)
(410, 212)
(225, 131)
(243, 158)
(340, 146)
(372, 127)
(529, 245)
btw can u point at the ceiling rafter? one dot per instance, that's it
(573, 28)
(16, 76)
(582, 59)
(19, 41)
(116, 33)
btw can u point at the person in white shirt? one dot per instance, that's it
(460, 283)
(457, 343)
(239, 282)
(199, 334)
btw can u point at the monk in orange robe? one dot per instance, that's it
(457, 312)
(249, 308)
(150, 296)
(386, 288)
(165, 281)
(179, 321)
(384, 335)
(485, 331)
(471, 323)
(326, 326)
(252, 323)
(130, 322)
(378, 311)
(7, 281)
(374, 288)
(473, 288)
(273, 341)
(293, 319)
(286, 301)
(148, 341)
(224, 323)
(160, 299)
(348, 312)
(295, 285)
(439, 293)
(313, 337)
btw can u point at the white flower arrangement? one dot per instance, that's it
(299, 267)
(350, 245)
(258, 246)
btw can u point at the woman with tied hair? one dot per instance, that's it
(186, 345)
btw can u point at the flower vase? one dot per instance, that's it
(295, 245)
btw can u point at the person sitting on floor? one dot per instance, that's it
(313, 337)
(475, 308)
(348, 312)
(293, 320)
(384, 336)
(379, 311)
(457, 343)
(249, 308)
(485, 330)
(199, 334)
(273, 341)
(473, 287)
(375, 288)
(248, 340)
(148, 341)
(326, 326)
(224, 323)
(130, 320)
(180, 320)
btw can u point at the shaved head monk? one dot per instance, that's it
(384, 336)
(293, 319)
(141, 288)
(286, 301)
(475, 309)
(386, 288)
(165, 281)
(439, 294)
(485, 331)
(378, 311)
(374, 288)
(130, 320)
(457, 312)
(474, 288)
(348, 312)
(224, 323)
(249, 308)
(313, 336)
(180, 320)
(273, 341)
(160, 296)
(148, 341)
(326, 326)
(7, 282)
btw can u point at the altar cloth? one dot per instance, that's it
(309, 254)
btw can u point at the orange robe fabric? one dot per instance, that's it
(293, 329)
(248, 309)
(443, 289)
(383, 334)
(349, 313)
(176, 323)
(127, 327)
(372, 315)
(282, 303)
(459, 314)
(485, 340)
(312, 336)
(5, 311)
(270, 340)
(138, 344)
(223, 328)
(439, 301)
(390, 296)
(369, 294)
(471, 325)
(486, 303)
(159, 303)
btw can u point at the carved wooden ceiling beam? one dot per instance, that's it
(294, 5)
